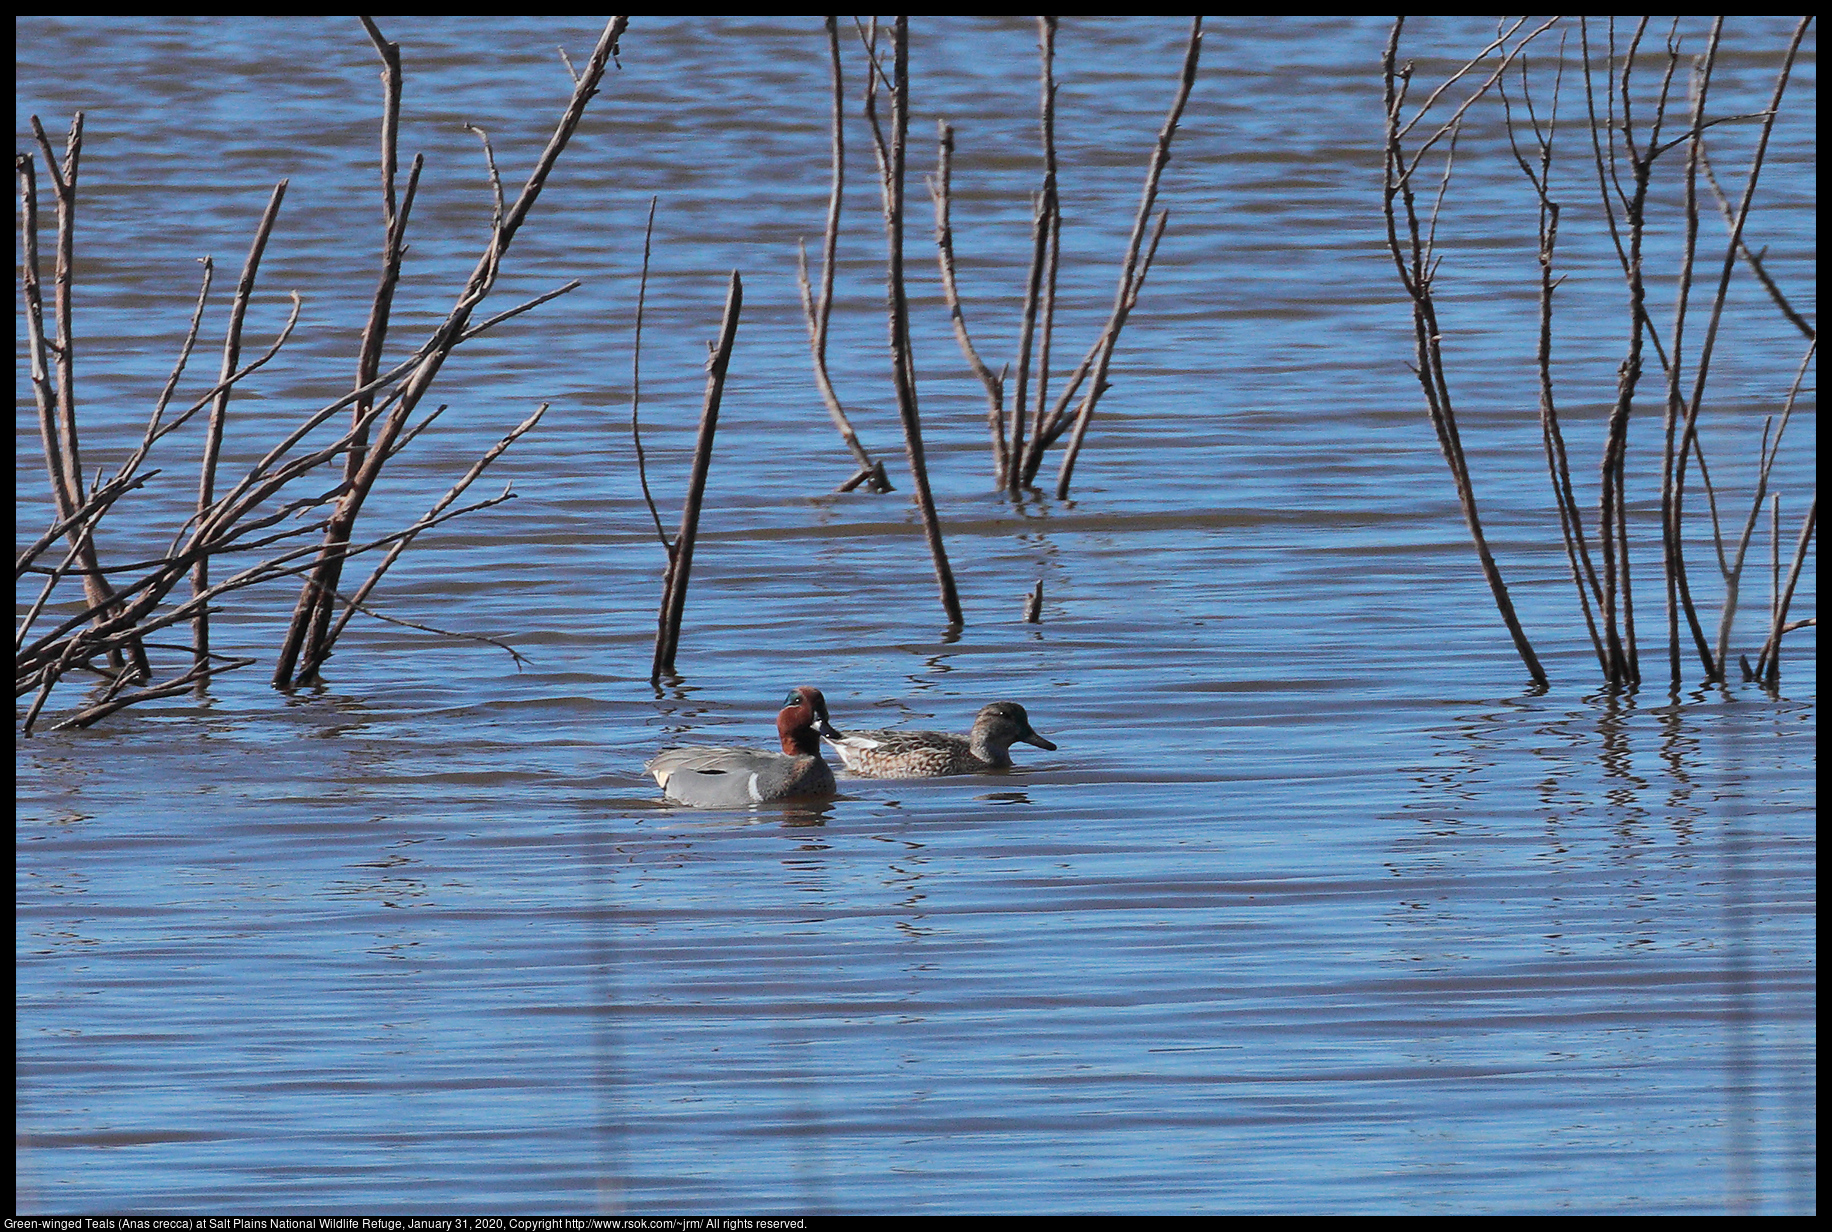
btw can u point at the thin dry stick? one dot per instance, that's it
(158, 428)
(407, 438)
(478, 467)
(870, 472)
(1040, 275)
(1033, 299)
(1774, 548)
(184, 359)
(305, 646)
(37, 345)
(903, 368)
(1046, 38)
(1618, 594)
(44, 682)
(1756, 264)
(63, 186)
(60, 423)
(219, 410)
(471, 331)
(1771, 449)
(197, 678)
(680, 561)
(1132, 274)
(394, 238)
(642, 461)
(1097, 362)
(1768, 666)
(353, 605)
(941, 189)
(1416, 263)
(1717, 312)
(1671, 466)
(1571, 521)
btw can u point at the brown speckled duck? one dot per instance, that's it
(733, 778)
(927, 754)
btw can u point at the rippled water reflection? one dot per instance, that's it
(1314, 908)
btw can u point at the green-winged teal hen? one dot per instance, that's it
(926, 754)
(733, 778)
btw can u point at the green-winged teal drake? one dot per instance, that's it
(926, 754)
(733, 778)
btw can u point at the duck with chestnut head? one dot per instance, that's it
(716, 777)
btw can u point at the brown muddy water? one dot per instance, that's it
(1317, 907)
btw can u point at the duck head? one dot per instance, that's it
(802, 722)
(1005, 723)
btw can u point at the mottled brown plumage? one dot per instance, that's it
(930, 754)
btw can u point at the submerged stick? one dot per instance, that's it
(680, 560)
(819, 310)
(1132, 273)
(1692, 405)
(1046, 40)
(1414, 259)
(642, 460)
(903, 367)
(941, 189)
(1558, 466)
(219, 410)
(305, 646)
(1768, 665)
(197, 678)
(353, 604)
(1040, 282)
(63, 455)
(1033, 604)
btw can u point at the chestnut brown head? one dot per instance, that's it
(802, 722)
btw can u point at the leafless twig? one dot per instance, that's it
(1415, 260)
(680, 554)
(219, 409)
(306, 644)
(1132, 275)
(903, 367)
(817, 311)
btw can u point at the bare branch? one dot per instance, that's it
(941, 190)
(642, 463)
(818, 311)
(1131, 274)
(402, 544)
(680, 559)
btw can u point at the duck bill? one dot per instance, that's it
(827, 729)
(1039, 741)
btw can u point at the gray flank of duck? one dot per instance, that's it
(724, 777)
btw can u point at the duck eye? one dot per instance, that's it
(793, 699)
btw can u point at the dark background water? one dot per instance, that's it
(1317, 907)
